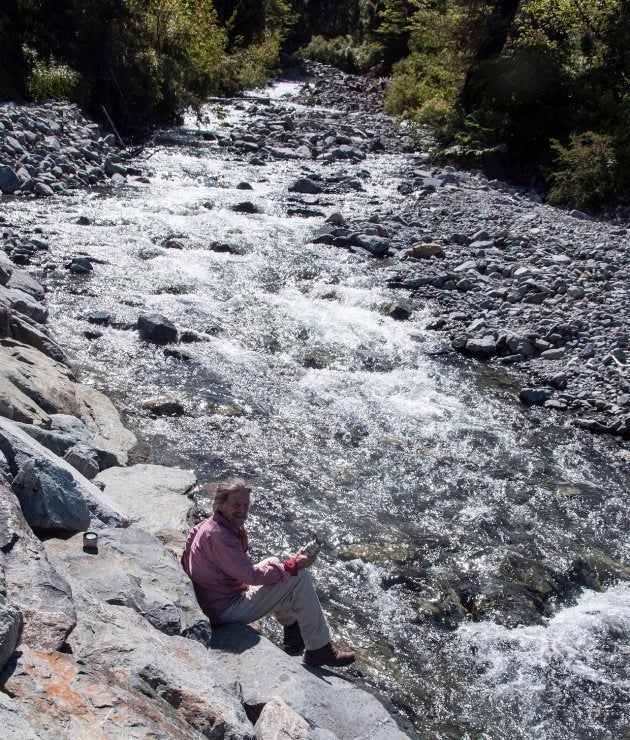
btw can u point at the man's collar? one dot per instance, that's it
(220, 519)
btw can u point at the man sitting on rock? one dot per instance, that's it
(231, 588)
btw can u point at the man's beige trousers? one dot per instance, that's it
(289, 601)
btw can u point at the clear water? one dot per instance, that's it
(355, 431)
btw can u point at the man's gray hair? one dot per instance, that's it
(223, 490)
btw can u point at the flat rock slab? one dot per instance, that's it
(133, 569)
(323, 698)
(153, 496)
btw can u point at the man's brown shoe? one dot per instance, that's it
(328, 655)
(293, 637)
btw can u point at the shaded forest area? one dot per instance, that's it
(536, 90)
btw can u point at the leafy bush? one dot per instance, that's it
(54, 81)
(344, 53)
(586, 171)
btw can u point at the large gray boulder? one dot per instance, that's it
(324, 699)
(10, 624)
(34, 386)
(27, 331)
(32, 584)
(117, 630)
(152, 496)
(50, 497)
(52, 493)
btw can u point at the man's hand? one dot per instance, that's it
(303, 560)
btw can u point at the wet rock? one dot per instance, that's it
(80, 265)
(376, 552)
(481, 346)
(156, 328)
(400, 310)
(164, 406)
(244, 186)
(535, 396)
(246, 207)
(305, 185)
(100, 318)
(376, 245)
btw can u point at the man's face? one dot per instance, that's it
(236, 508)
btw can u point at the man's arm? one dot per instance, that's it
(229, 556)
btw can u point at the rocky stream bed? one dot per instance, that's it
(250, 290)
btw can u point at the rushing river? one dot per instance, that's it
(423, 476)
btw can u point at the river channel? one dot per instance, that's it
(451, 522)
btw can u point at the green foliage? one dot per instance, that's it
(586, 171)
(343, 52)
(50, 80)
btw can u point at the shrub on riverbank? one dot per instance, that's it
(511, 84)
(145, 61)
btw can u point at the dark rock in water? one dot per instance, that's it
(305, 185)
(80, 265)
(535, 396)
(246, 207)
(222, 247)
(401, 310)
(156, 328)
(376, 245)
(244, 186)
(99, 317)
(83, 221)
(189, 336)
(177, 354)
(304, 212)
(173, 244)
(164, 406)
(92, 334)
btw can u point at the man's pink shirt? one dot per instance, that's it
(215, 558)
